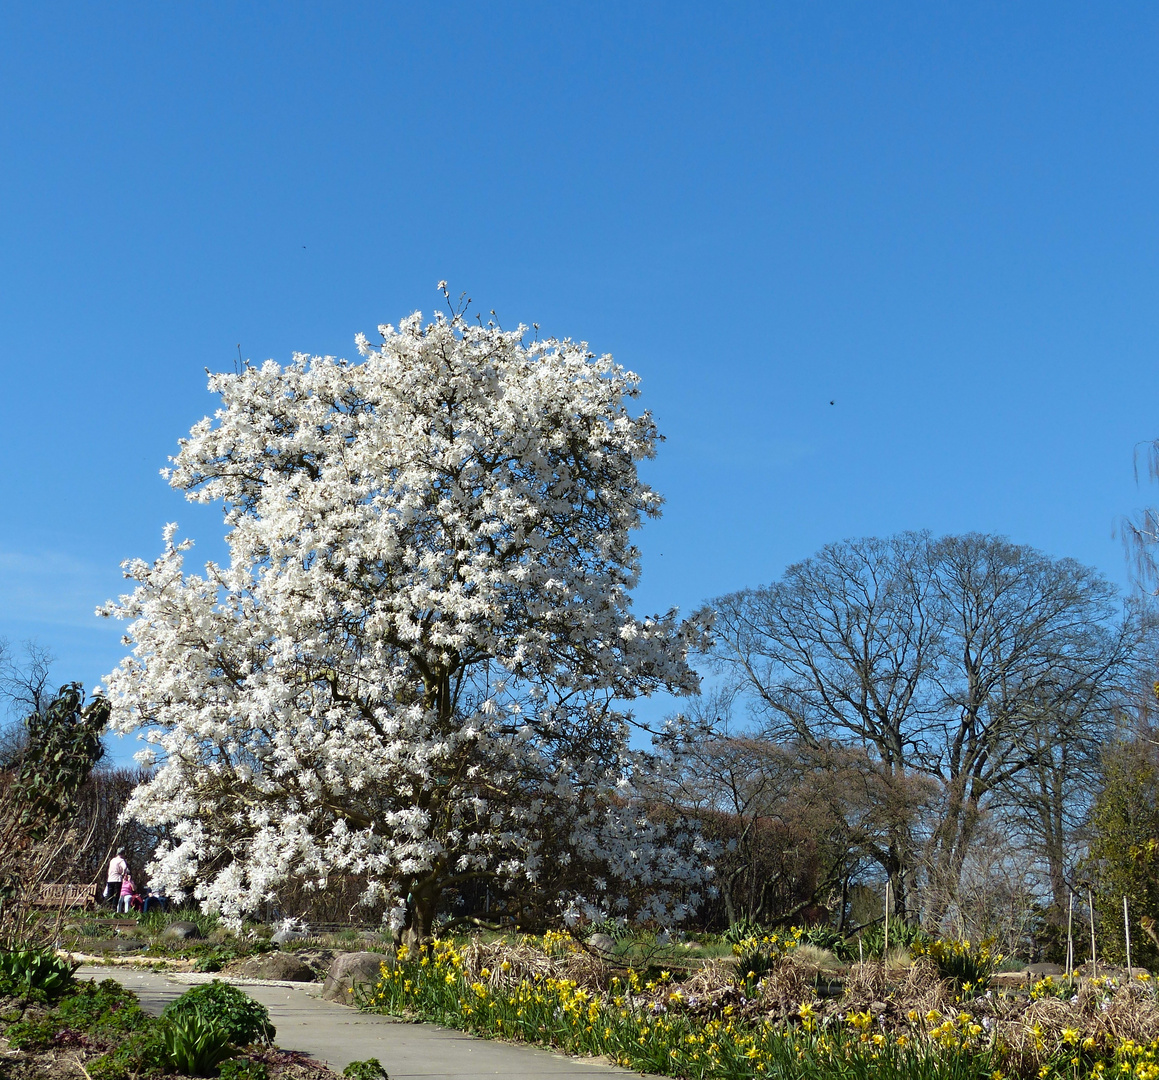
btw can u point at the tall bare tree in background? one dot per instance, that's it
(967, 661)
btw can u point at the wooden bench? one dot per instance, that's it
(66, 896)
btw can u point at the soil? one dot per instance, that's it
(69, 1064)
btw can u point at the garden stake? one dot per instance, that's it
(1127, 935)
(885, 947)
(1070, 938)
(1091, 909)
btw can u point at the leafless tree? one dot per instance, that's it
(934, 658)
(25, 688)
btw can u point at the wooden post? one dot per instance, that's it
(885, 947)
(1127, 935)
(1070, 936)
(1091, 911)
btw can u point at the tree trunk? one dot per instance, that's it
(421, 906)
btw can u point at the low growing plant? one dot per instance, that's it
(236, 1014)
(370, 1069)
(35, 974)
(195, 1044)
(243, 1069)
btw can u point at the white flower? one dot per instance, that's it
(427, 589)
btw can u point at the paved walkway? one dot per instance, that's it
(338, 1034)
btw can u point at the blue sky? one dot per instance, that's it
(943, 218)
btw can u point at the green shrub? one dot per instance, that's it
(242, 1019)
(370, 1069)
(36, 974)
(194, 1043)
(243, 1069)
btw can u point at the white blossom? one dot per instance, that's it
(407, 669)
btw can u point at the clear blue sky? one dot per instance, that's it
(943, 218)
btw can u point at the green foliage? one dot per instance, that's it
(370, 1069)
(143, 1052)
(825, 937)
(104, 1009)
(195, 1043)
(744, 930)
(64, 743)
(752, 966)
(35, 974)
(1124, 852)
(968, 966)
(236, 1014)
(902, 935)
(243, 1069)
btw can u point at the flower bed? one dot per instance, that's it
(722, 1021)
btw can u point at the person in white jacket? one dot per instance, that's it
(118, 871)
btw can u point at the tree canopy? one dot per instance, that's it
(409, 668)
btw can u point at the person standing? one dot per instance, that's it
(125, 901)
(118, 871)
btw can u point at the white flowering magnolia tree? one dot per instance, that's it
(407, 672)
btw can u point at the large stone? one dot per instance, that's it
(283, 966)
(1040, 971)
(284, 936)
(602, 943)
(118, 945)
(353, 969)
(181, 931)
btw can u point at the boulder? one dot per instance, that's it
(602, 943)
(353, 969)
(118, 945)
(283, 936)
(181, 931)
(283, 966)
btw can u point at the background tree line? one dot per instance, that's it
(938, 713)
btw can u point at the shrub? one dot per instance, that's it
(194, 1043)
(242, 1019)
(370, 1069)
(36, 974)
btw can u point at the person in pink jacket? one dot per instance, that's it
(126, 894)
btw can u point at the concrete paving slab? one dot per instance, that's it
(339, 1035)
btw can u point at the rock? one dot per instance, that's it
(283, 936)
(602, 943)
(118, 945)
(181, 931)
(285, 967)
(1008, 980)
(353, 969)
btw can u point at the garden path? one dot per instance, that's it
(338, 1034)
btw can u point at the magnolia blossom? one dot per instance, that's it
(407, 670)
